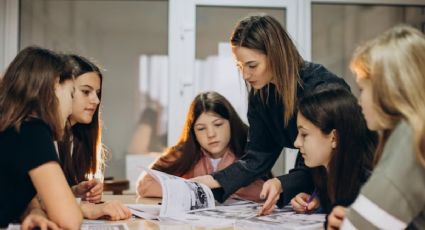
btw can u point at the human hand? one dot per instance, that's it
(304, 202)
(207, 180)
(111, 210)
(35, 220)
(271, 192)
(90, 191)
(336, 217)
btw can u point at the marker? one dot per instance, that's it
(310, 199)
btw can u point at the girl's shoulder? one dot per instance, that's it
(28, 124)
(400, 140)
(168, 158)
(34, 123)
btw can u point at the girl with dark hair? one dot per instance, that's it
(81, 151)
(334, 141)
(277, 76)
(35, 102)
(213, 137)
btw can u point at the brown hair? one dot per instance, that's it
(182, 157)
(394, 64)
(88, 153)
(266, 35)
(335, 108)
(28, 89)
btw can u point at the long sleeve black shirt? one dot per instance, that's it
(267, 138)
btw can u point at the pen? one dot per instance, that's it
(310, 199)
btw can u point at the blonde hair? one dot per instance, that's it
(394, 62)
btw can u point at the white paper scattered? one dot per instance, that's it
(193, 203)
(104, 226)
(145, 211)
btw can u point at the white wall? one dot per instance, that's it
(115, 34)
(2, 32)
(8, 32)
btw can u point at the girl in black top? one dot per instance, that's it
(35, 101)
(334, 141)
(276, 76)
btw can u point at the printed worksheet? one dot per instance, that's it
(178, 196)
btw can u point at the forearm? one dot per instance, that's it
(56, 195)
(34, 207)
(244, 171)
(296, 181)
(252, 191)
(38, 211)
(90, 211)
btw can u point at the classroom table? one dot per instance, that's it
(136, 223)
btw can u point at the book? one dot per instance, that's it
(192, 203)
(178, 196)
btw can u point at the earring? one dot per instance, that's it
(333, 144)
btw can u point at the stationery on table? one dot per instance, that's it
(310, 199)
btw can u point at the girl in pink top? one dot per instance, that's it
(213, 137)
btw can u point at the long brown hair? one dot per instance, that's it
(394, 64)
(28, 89)
(335, 108)
(182, 157)
(266, 35)
(88, 153)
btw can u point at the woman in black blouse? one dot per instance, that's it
(277, 76)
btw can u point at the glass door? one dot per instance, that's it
(200, 54)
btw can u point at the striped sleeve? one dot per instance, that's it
(365, 214)
(381, 205)
(393, 198)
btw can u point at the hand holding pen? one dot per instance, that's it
(303, 202)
